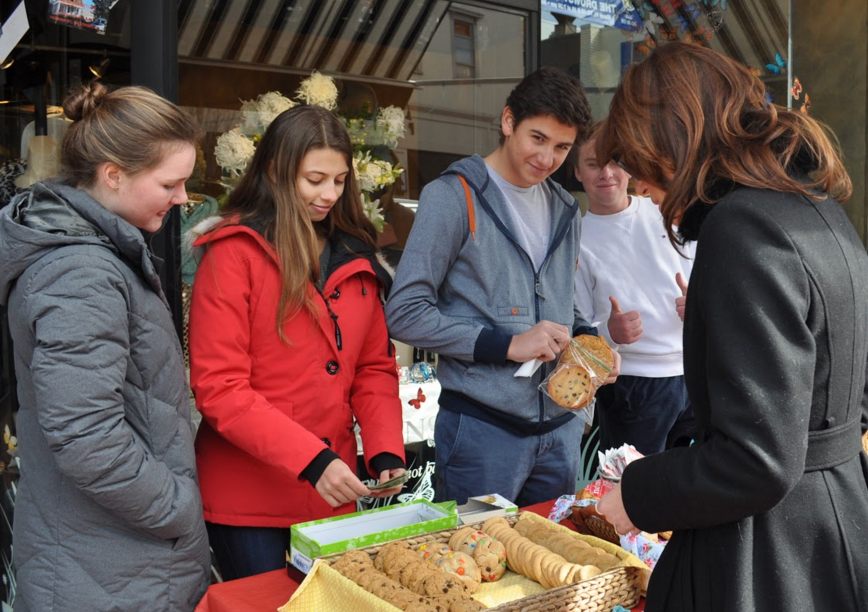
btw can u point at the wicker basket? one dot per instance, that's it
(618, 586)
(865, 442)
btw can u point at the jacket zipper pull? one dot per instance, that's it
(338, 340)
(334, 317)
(538, 290)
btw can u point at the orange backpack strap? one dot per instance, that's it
(470, 215)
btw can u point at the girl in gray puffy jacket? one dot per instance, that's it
(108, 515)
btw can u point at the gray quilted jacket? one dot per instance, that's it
(108, 515)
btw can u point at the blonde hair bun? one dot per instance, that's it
(82, 102)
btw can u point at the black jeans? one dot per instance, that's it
(246, 551)
(649, 413)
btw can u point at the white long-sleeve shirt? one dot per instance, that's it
(628, 255)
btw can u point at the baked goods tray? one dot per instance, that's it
(623, 585)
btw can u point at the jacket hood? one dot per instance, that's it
(345, 248)
(490, 198)
(51, 215)
(474, 169)
(471, 168)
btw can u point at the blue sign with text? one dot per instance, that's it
(613, 13)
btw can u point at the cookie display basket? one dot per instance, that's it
(326, 589)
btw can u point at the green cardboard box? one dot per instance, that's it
(341, 533)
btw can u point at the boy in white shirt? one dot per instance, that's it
(629, 283)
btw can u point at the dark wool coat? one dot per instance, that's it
(108, 516)
(770, 504)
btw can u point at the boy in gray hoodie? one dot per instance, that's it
(487, 280)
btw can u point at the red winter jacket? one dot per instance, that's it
(268, 406)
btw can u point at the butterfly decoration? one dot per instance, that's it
(694, 39)
(694, 11)
(715, 19)
(667, 33)
(769, 98)
(681, 23)
(806, 104)
(703, 33)
(779, 65)
(646, 47)
(796, 89)
(754, 71)
(666, 9)
(420, 398)
(712, 3)
(654, 18)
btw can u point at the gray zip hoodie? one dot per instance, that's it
(465, 295)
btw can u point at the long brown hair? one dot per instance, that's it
(689, 119)
(267, 198)
(132, 127)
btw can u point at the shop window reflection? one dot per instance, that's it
(434, 59)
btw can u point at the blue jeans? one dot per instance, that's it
(246, 551)
(477, 458)
(649, 413)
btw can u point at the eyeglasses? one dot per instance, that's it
(617, 160)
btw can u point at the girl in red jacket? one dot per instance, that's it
(289, 347)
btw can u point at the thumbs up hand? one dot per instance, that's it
(624, 327)
(681, 302)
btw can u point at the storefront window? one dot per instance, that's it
(810, 55)
(438, 61)
(597, 40)
(448, 67)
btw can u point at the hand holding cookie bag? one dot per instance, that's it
(584, 366)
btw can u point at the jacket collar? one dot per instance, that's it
(52, 214)
(345, 249)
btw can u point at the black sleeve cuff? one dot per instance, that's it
(585, 330)
(385, 461)
(315, 468)
(492, 345)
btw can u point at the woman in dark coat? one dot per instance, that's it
(769, 505)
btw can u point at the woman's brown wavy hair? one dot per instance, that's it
(267, 198)
(694, 115)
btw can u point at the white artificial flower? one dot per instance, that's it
(234, 151)
(258, 114)
(373, 212)
(361, 161)
(319, 90)
(391, 121)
